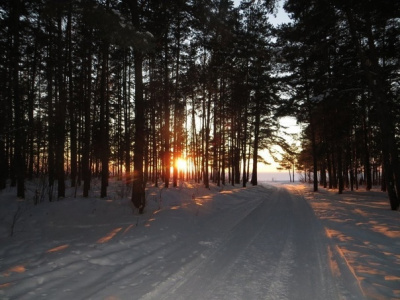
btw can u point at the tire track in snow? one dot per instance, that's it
(269, 233)
(269, 274)
(199, 277)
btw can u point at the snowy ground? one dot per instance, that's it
(261, 242)
(366, 233)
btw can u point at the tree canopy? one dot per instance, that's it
(134, 88)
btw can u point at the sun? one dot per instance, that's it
(181, 164)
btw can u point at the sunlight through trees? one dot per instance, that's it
(161, 91)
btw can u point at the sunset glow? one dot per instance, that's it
(15, 269)
(181, 164)
(109, 236)
(56, 249)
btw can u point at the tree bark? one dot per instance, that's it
(138, 188)
(72, 107)
(60, 114)
(104, 121)
(19, 161)
(256, 141)
(127, 122)
(167, 154)
(87, 95)
(340, 169)
(375, 77)
(207, 143)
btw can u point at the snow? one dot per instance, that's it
(277, 241)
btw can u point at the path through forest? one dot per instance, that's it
(261, 242)
(274, 249)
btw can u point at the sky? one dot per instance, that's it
(281, 17)
(292, 128)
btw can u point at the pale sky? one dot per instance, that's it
(281, 16)
(292, 128)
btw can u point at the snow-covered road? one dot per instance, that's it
(224, 243)
(275, 249)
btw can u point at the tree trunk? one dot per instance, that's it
(104, 122)
(19, 161)
(244, 146)
(375, 77)
(50, 112)
(138, 191)
(138, 188)
(367, 163)
(256, 141)
(323, 174)
(31, 104)
(315, 159)
(87, 95)
(71, 108)
(60, 115)
(340, 170)
(207, 142)
(127, 122)
(313, 138)
(167, 154)
(330, 175)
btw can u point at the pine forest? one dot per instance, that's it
(157, 92)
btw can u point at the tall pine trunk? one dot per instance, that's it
(167, 154)
(207, 143)
(127, 121)
(256, 141)
(340, 169)
(375, 76)
(19, 161)
(87, 96)
(104, 122)
(71, 104)
(138, 192)
(50, 66)
(138, 188)
(60, 115)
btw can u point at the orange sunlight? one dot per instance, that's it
(59, 248)
(147, 224)
(109, 236)
(333, 264)
(128, 228)
(202, 200)
(182, 164)
(16, 269)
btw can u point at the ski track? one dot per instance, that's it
(254, 243)
(279, 270)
